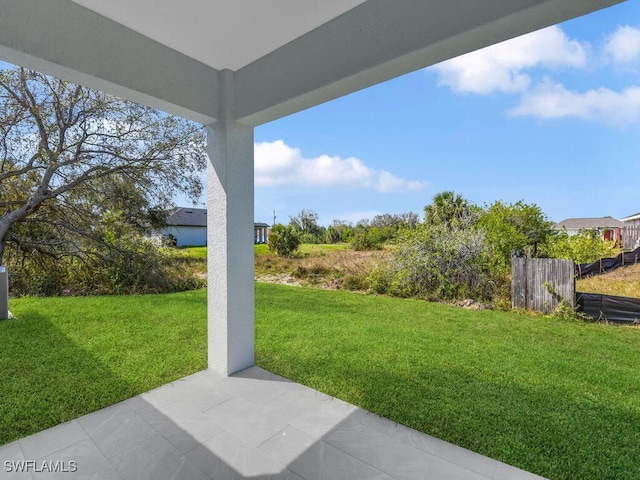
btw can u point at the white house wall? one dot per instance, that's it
(188, 236)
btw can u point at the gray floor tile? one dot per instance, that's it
(257, 386)
(507, 472)
(452, 453)
(156, 459)
(52, 440)
(400, 432)
(245, 421)
(198, 391)
(204, 378)
(155, 399)
(318, 423)
(183, 428)
(251, 425)
(116, 429)
(82, 461)
(288, 445)
(324, 462)
(227, 457)
(257, 373)
(293, 476)
(402, 461)
(294, 405)
(11, 466)
(197, 400)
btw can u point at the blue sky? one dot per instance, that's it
(552, 118)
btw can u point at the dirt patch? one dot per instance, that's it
(279, 278)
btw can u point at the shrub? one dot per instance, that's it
(145, 269)
(439, 263)
(584, 247)
(365, 239)
(283, 240)
(353, 282)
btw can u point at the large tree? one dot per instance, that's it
(70, 155)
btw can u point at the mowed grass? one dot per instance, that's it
(64, 357)
(193, 252)
(556, 397)
(306, 249)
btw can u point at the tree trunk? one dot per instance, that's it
(3, 233)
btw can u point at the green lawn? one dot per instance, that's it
(263, 249)
(307, 249)
(556, 397)
(193, 252)
(64, 357)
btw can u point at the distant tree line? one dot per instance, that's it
(364, 235)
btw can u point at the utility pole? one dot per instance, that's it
(274, 218)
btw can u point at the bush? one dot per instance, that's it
(354, 282)
(584, 247)
(147, 269)
(283, 240)
(439, 263)
(365, 239)
(332, 235)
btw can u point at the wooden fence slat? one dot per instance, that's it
(630, 235)
(529, 280)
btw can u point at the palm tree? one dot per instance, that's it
(446, 208)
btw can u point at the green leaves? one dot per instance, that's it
(71, 156)
(284, 240)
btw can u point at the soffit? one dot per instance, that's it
(223, 34)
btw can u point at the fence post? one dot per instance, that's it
(4, 293)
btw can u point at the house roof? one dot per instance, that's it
(635, 216)
(588, 223)
(194, 217)
(188, 217)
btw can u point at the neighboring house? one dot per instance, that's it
(607, 227)
(189, 228)
(631, 220)
(631, 231)
(261, 232)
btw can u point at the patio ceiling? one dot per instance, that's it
(285, 55)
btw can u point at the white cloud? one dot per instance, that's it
(623, 45)
(552, 100)
(499, 67)
(279, 164)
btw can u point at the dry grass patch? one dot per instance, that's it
(623, 282)
(328, 268)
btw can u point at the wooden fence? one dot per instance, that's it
(542, 283)
(630, 235)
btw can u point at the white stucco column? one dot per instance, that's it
(230, 241)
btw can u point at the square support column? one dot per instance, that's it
(230, 240)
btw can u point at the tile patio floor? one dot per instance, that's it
(253, 425)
